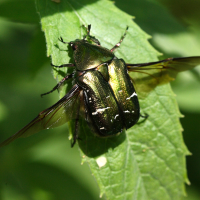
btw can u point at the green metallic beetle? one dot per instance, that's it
(103, 93)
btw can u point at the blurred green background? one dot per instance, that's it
(44, 166)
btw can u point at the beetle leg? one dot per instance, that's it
(145, 116)
(119, 43)
(64, 65)
(59, 84)
(75, 135)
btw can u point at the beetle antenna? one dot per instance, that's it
(89, 27)
(61, 40)
(88, 31)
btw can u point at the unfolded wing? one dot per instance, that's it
(157, 73)
(64, 110)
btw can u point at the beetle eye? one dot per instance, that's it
(74, 47)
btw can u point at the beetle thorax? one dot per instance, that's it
(89, 56)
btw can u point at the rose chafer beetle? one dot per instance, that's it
(103, 93)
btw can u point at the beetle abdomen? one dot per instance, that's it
(101, 104)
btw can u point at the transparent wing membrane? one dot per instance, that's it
(157, 73)
(64, 110)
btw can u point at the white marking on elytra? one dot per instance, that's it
(102, 128)
(126, 111)
(107, 97)
(134, 94)
(100, 110)
(101, 161)
(116, 116)
(90, 99)
(132, 111)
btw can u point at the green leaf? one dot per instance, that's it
(148, 160)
